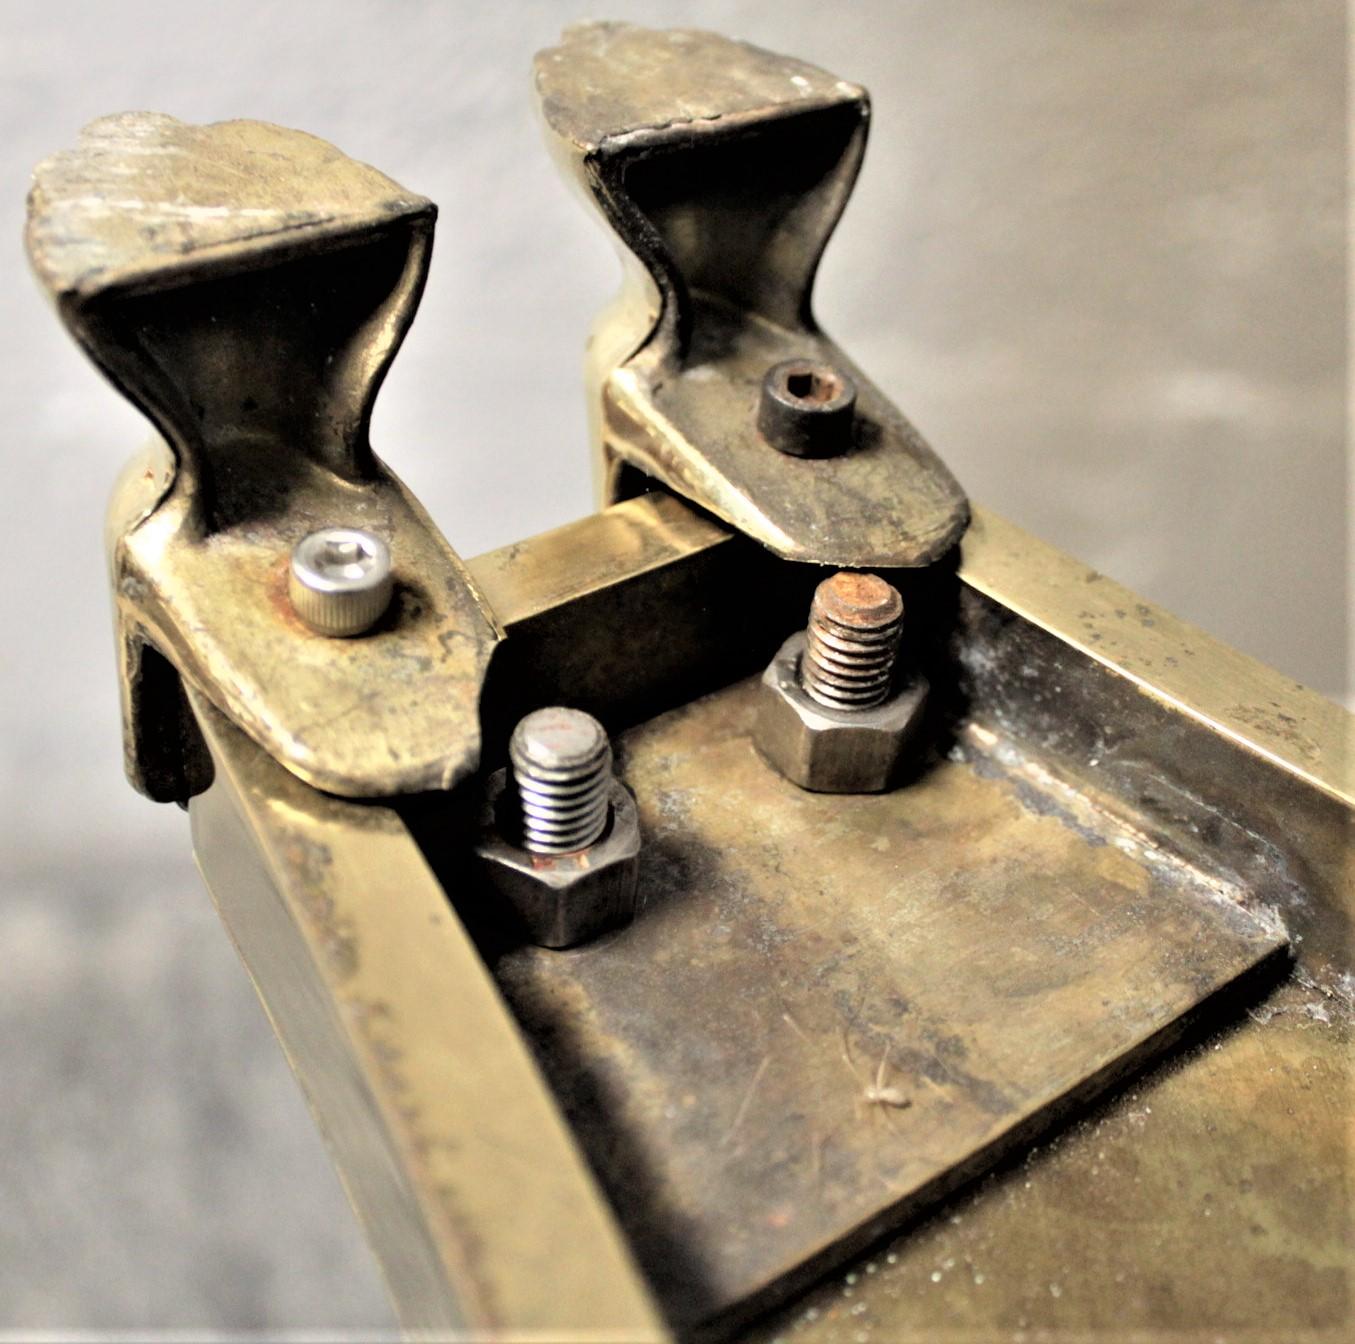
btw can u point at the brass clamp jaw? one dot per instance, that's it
(247, 287)
(723, 170)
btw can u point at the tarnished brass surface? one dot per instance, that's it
(984, 942)
(1165, 658)
(631, 611)
(594, 556)
(247, 287)
(1209, 1196)
(1220, 759)
(723, 169)
(473, 1193)
(1209, 1200)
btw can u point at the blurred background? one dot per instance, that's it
(1098, 254)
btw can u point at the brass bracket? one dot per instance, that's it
(723, 169)
(247, 287)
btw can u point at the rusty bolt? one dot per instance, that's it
(830, 718)
(855, 623)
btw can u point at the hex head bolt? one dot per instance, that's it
(559, 838)
(340, 581)
(562, 772)
(855, 624)
(830, 716)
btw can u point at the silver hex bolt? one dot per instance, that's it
(562, 767)
(830, 716)
(560, 834)
(340, 581)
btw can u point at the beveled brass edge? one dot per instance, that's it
(552, 568)
(1167, 658)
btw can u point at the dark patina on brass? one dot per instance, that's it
(247, 287)
(723, 170)
(796, 1096)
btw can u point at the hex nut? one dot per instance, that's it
(560, 900)
(833, 751)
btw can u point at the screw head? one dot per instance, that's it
(340, 580)
(557, 738)
(807, 409)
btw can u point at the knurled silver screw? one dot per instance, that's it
(855, 623)
(340, 580)
(562, 770)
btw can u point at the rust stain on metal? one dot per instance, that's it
(862, 601)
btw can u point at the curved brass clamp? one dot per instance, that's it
(723, 169)
(247, 287)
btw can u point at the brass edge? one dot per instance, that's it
(498, 1185)
(543, 572)
(1167, 658)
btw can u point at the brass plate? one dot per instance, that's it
(830, 1011)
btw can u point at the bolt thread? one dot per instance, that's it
(855, 625)
(562, 770)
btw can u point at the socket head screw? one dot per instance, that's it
(807, 409)
(340, 581)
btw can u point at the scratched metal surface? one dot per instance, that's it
(830, 1010)
(1208, 1200)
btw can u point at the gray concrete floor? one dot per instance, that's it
(1098, 252)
